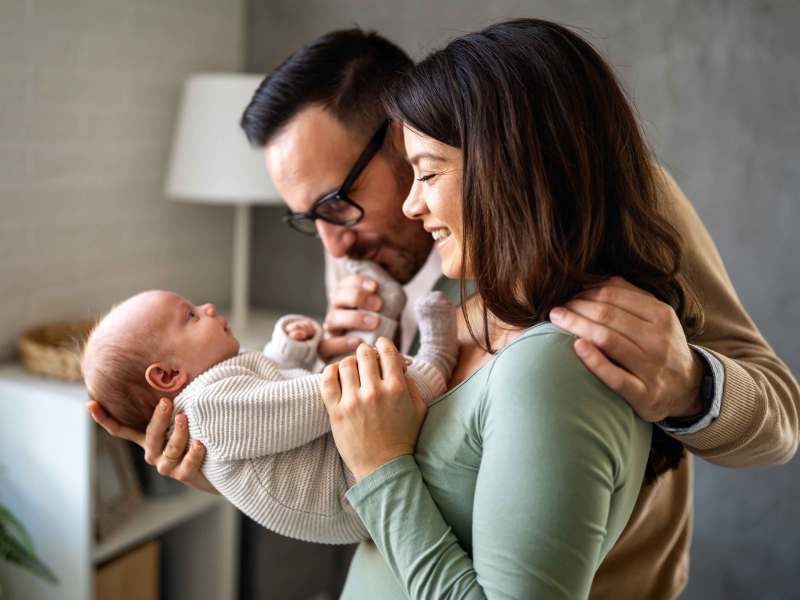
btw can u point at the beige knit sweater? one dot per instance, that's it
(757, 426)
(267, 434)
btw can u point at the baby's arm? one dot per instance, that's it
(293, 480)
(433, 365)
(301, 493)
(254, 410)
(294, 342)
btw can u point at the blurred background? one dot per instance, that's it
(89, 94)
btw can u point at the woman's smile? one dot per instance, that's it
(440, 237)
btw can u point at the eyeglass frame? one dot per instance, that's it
(370, 150)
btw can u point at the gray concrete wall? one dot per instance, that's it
(88, 94)
(718, 86)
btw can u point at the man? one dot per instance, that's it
(341, 172)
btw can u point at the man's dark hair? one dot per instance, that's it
(345, 71)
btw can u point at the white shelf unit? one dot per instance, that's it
(46, 469)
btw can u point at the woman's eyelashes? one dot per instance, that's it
(426, 177)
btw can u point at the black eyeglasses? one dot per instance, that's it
(337, 207)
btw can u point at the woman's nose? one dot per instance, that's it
(337, 239)
(414, 207)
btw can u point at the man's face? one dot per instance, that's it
(311, 157)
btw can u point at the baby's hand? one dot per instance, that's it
(300, 329)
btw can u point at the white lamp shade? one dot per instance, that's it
(211, 159)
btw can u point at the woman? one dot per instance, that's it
(533, 177)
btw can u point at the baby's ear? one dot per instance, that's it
(164, 378)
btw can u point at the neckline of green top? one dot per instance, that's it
(489, 362)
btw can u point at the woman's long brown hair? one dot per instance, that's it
(559, 187)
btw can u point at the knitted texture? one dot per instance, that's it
(268, 441)
(290, 353)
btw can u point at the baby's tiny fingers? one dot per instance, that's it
(297, 334)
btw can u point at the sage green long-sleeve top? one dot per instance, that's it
(524, 476)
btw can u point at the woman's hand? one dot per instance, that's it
(169, 457)
(375, 412)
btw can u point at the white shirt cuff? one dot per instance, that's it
(718, 374)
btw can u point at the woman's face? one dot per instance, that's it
(436, 195)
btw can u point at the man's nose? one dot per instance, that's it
(210, 309)
(336, 238)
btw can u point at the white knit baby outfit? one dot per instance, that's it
(267, 433)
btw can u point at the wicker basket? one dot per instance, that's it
(54, 350)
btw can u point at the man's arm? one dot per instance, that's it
(758, 422)
(660, 375)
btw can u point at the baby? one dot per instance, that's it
(260, 415)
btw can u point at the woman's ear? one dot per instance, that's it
(164, 378)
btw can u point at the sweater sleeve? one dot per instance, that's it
(290, 353)
(758, 421)
(561, 466)
(247, 415)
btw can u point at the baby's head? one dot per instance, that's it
(151, 346)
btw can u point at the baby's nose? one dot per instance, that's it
(210, 309)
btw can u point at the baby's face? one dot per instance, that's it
(194, 338)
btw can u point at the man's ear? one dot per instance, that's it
(164, 378)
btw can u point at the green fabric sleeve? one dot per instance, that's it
(562, 462)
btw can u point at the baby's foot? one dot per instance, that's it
(438, 332)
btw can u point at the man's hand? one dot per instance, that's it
(169, 457)
(635, 344)
(353, 293)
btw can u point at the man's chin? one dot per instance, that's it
(402, 266)
(402, 263)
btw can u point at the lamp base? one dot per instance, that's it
(240, 290)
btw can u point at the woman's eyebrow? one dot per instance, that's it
(415, 158)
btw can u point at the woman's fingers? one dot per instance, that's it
(331, 389)
(348, 375)
(391, 361)
(368, 370)
(112, 426)
(156, 432)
